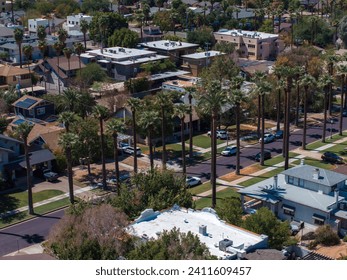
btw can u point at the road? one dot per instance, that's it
(36, 230)
(27, 233)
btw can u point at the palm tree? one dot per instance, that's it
(58, 46)
(101, 113)
(62, 36)
(134, 104)
(103, 24)
(164, 101)
(71, 99)
(297, 84)
(42, 45)
(18, 36)
(139, 17)
(258, 77)
(23, 131)
(41, 33)
(67, 141)
(306, 81)
(342, 72)
(324, 83)
(28, 52)
(114, 127)
(68, 52)
(180, 111)
(190, 92)
(79, 49)
(67, 118)
(237, 97)
(210, 99)
(280, 85)
(331, 59)
(84, 26)
(262, 88)
(149, 120)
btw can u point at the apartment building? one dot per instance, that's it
(34, 23)
(73, 23)
(252, 44)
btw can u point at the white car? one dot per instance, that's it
(221, 134)
(130, 150)
(192, 181)
(229, 151)
(268, 138)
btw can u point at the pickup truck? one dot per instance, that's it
(50, 176)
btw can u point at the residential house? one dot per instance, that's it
(121, 63)
(223, 240)
(252, 44)
(45, 136)
(14, 76)
(33, 108)
(73, 23)
(9, 152)
(249, 67)
(195, 62)
(33, 24)
(303, 193)
(6, 32)
(175, 50)
(151, 33)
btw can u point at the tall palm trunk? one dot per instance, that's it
(325, 115)
(341, 105)
(297, 104)
(262, 128)
(29, 178)
(31, 80)
(237, 108)
(278, 126)
(102, 140)
(287, 124)
(150, 149)
(58, 73)
(116, 163)
(163, 156)
(69, 174)
(305, 119)
(214, 159)
(190, 127)
(20, 55)
(259, 116)
(134, 140)
(183, 148)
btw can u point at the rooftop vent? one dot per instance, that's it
(275, 182)
(316, 174)
(302, 161)
(224, 244)
(203, 230)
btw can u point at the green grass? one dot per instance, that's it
(316, 163)
(38, 211)
(261, 177)
(200, 189)
(203, 141)
(319, 143)
(207, 201)
(338, 148)
(278, 159)
(16, 200)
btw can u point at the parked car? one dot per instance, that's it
(123, 145)
(332, 158)
(130, 150)
(279, 134)
(268, 138)
(192, 181)
(122, 178)
(344, 113)
(221, 134)
(267, 155)
(50, 176)
(229, 151)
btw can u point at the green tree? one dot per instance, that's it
(79, 49)
(343, 30)
(41, 33)
(84, 26)
(326, 236)
(62, 36)
(324, 83)
(3, 124)
(164, 21)
(67, 141)
(265, 222)
(114, 127)
(180, 111)
(18, 36)
(92, 6)
(201, 37)
(58, 46)
(230, 210)
(23, 131)
(210, 100)
(123, 38)
(28, 52)
(67, 53)
(172, 245)
(101, 113)
(90, 74)
(134, 104)
(342, 72)
(67, 118)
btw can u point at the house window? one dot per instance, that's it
(41, 111)
(288, 210)
(290, 179)
(14, 78)
(318, 219)
(251, 53)
(31, 112)
(301, 183)
(251, 46)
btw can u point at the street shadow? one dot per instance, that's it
(296, 143)
(8, 203)
(315, 136)
(33, 239)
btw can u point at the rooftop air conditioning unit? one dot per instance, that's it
(224, 244)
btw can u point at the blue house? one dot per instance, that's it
(303, 193)
(9, 153)
(33, 108)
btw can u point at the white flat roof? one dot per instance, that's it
(246, 33)
(168, 45)
(190, 220)
(119, 53)
(202, 55)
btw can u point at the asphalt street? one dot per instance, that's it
(36, 230)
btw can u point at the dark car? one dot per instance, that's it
(279, 134)
(332, 158)
(267, 155)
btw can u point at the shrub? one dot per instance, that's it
(326, 236)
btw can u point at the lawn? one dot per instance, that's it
(275, 160)
(16, 200)
(338, 149)
(319, 143)
(317, 163)
(38, 211)
(261, 177)
(203, 141)
(200, 189)
(207, 201)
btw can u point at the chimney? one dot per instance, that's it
(316, 174)
(275, 182)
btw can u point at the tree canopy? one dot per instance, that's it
(123, 38)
